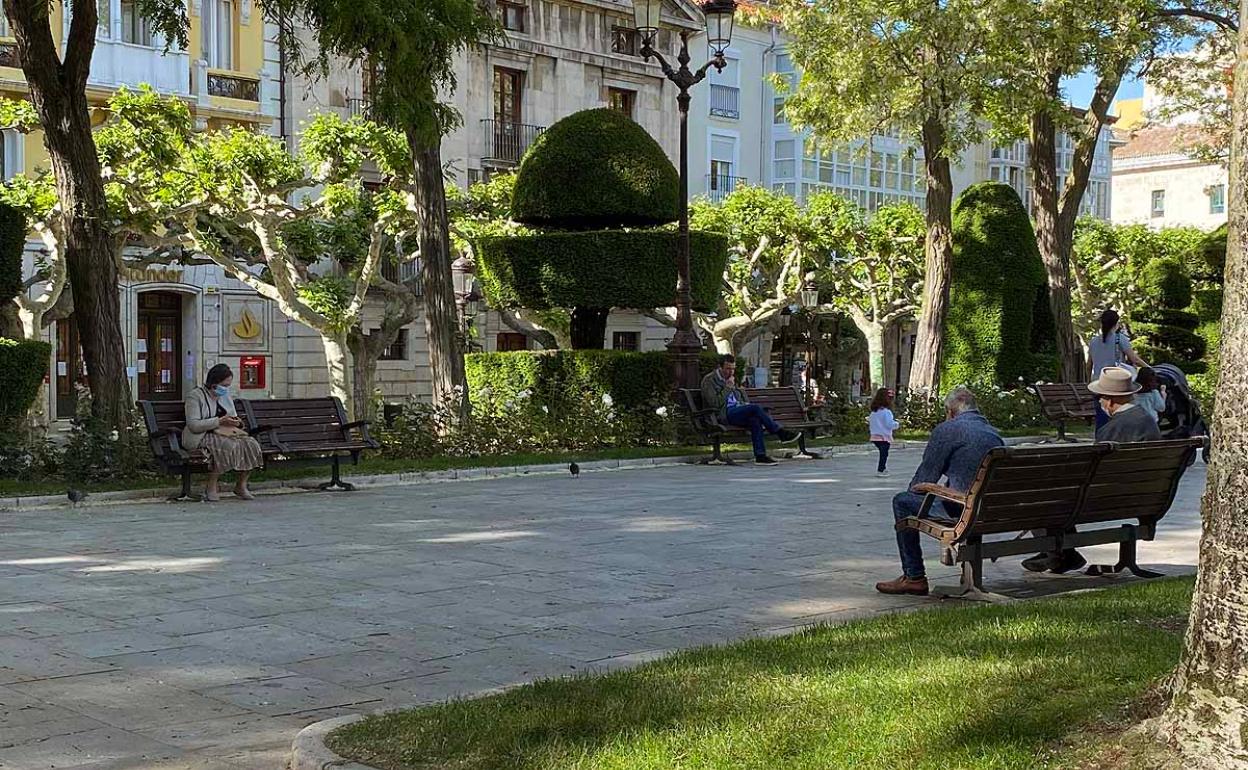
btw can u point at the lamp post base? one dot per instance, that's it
(683, 353)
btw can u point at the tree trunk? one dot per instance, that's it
(874, 332)
(1054, 250)
(363, 376)
(589, 328)
(11, 325)
(1207, 719)
(339, 368)
(58, 92)
(723, 343)
(938, 249)
(442, 327)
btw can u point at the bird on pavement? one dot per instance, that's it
(575, 470)
(76, 496)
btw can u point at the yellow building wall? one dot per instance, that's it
(1130, 113)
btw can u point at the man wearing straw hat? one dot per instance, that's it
(1116, 390)
(1128, 422)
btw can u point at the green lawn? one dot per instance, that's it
(956, 687)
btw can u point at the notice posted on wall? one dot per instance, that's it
(141, 366)
(62, 369)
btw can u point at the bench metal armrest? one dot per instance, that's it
(362, 425)
(937, 490)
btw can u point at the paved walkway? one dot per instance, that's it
(201, 636)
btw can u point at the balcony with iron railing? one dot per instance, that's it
(725, 101)
(406, 273)
(719, 185)
(506, 142)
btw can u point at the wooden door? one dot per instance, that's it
(71, 370)
(159, 346)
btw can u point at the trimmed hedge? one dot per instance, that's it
(999, 327)
(554, 378)
(593, 169)
(599, 269)
(12, 244)
(1166, 332)
(23, 365)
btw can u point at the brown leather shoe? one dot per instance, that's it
(904, 585)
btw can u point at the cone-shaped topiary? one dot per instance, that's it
(12, 244)
(999, 327)
(596, 169)
(1166, 332)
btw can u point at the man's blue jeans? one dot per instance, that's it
(754, 418)
(907, 504)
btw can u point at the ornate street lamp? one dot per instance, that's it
(810, 293)
(685, 344)
(467, 295)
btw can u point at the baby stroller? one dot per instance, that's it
(1182, 418)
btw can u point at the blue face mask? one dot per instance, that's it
(221, 391)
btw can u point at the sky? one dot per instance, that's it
(1079, 89)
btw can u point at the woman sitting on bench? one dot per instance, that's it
(212, 424)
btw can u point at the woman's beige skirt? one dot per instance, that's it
(233, 454)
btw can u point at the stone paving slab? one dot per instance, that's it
(203, 637)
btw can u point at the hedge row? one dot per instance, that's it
(555, 378)
(999, 327)
(598, 269)
(23, 365)
(594, 169)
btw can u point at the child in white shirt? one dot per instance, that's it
(882, 424)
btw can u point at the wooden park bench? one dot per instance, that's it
(783, 404)
(1063, 401)
(164, 421)
(307, 430)
(1115, 493)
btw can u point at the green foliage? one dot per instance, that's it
(596, 169)
(1166, 333)
(555, 378)
(330, 296)
(766, 232)
(1007, 409)
(999, 284)
(12, 245)
(599, 269)
(870, 64)
(23, 365)
(1109, 264)
(1165, 281)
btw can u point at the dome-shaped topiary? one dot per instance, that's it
(596, 169)
(1167, 331)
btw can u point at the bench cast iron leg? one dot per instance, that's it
(802, 452)
(336, 482)
(185, 496)
(1126, 561)
(717, 454)
(971, 587)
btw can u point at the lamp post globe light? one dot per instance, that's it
(720, 15)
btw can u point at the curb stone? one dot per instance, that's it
(308, 752)
(292, 486)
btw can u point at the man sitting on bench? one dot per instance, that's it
(955, 450)
(1128, 422)
(720, 392)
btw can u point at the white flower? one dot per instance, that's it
(114, 436)
(545, 409)
(522, 395)
(606, 399)
(661, 411)
(509, 404)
